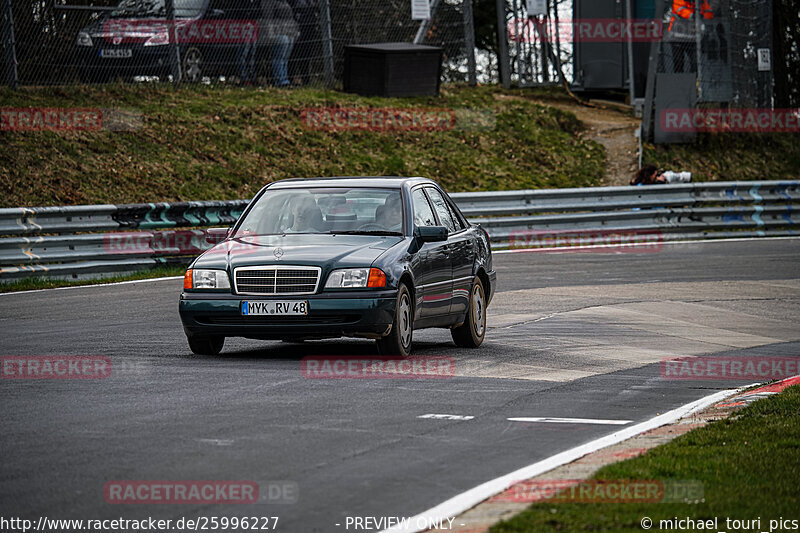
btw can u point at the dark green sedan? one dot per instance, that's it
(324, 258)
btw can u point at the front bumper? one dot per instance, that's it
(357, 314)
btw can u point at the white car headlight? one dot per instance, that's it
(83, 39)
(355, 278)
(210, 279)
(348, 278)
(158, 39)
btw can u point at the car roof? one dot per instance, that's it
(393, 182)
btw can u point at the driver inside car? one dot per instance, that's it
(390, 214)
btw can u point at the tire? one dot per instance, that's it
(210, 345)
(470, 334)
(398, 342)
(192, 65)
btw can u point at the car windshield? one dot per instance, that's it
(353, 210)
(157, 8)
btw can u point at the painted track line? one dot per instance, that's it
(130, 282)
(466, 500)
(555, 420)
(616, 247)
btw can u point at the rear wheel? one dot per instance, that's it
(470, 334)
(398, 342)
(206, 345)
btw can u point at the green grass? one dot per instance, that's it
(222, 143)
(31, 284)
(732, 157)
(218, 143)
(749, 465)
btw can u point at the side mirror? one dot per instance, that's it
(431, 233)
(216, 235)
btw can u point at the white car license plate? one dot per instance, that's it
(116, 53)
(268, 308)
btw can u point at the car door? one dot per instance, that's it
(434, 272)
(459, 247)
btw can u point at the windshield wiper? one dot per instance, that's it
(385, 233)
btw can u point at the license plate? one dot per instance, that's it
(287, 308)
(116, 53)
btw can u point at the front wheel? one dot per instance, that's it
(193, 65)
(206, 345)
(470, 334)
(398, 342)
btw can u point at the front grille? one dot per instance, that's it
(287, 280)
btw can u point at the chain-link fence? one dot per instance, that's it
(712, 69)
(726, 43)
(264, 42)
(539, 52)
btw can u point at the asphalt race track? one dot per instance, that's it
(571, 335)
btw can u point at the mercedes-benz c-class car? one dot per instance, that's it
(322, 258)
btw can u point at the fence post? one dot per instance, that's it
(650, 87)
(629, 54)
(503, 63)
(698, 28)
(327, 40)
(174, 52)
(469, 42)
(10, 45)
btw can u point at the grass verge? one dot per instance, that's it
(32, 284)
(732, 157)
(748, 465)
(222, 143)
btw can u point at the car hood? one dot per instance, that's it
(326, 251)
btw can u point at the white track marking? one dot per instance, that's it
(466, 500)
(611, 247)
(148, 280)
(553, 420)
(447, 417)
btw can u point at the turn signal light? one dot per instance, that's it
(377, 278)
(187, 279)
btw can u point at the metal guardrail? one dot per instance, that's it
(91, 241)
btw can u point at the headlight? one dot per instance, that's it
(206, 279)
(83, 39)
(158, 39)
(356, 278)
